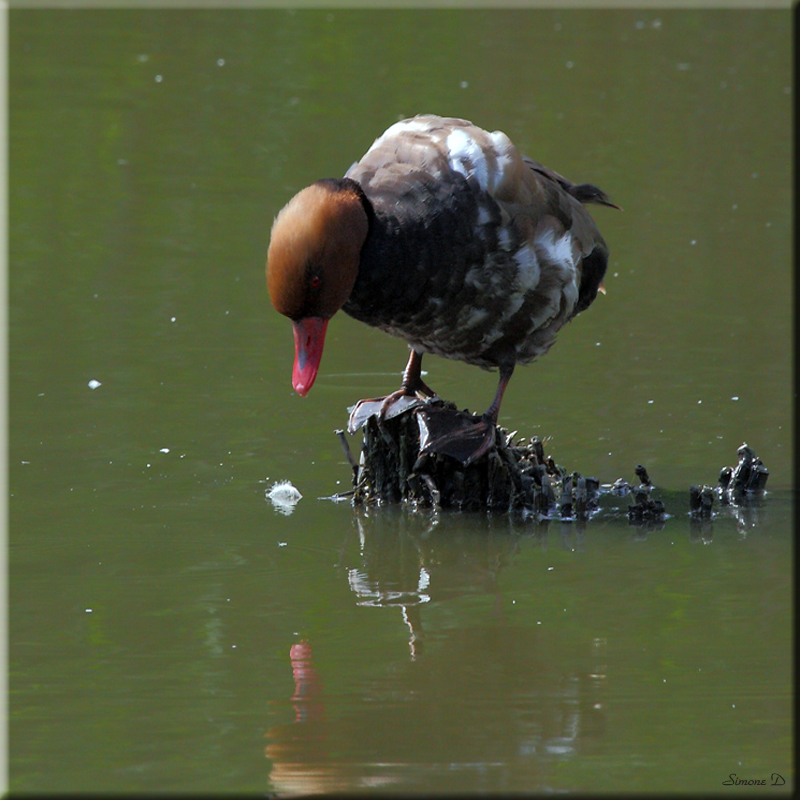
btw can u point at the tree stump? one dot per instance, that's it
(512, 476)
(516, 476)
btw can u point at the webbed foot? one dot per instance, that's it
(455, 433)
(395, 403)
(381, 407)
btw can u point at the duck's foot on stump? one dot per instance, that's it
(383, 408)
(454, 433)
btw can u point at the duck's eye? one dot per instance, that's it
(315, 282)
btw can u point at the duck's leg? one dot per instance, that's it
(395, 403)
(412, 378)
(458, 435)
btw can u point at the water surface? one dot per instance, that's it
(171, 630)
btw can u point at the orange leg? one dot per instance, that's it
(412, 383)
(396, 402)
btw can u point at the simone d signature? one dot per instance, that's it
(734, 780)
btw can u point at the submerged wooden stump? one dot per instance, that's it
(511, 476)
(516, 476)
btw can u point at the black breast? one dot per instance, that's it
(424, 238)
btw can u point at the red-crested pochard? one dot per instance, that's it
(447, 236)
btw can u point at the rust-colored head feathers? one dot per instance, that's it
(314, 250)
(312, 264)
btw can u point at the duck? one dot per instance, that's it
(445, 235)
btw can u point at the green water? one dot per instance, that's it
(156, 594)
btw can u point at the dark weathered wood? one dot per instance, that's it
(512, 476)
(517, 476)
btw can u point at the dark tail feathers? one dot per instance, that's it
(587, 193)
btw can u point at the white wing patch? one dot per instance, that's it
(490, 159)
(465, 155)
(559, 251)
(507, 162)
(529, 271)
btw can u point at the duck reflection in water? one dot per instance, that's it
(491, 706)
(300, 752)
(296, 747)
(492, 700)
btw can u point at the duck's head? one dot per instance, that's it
(312, 264)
